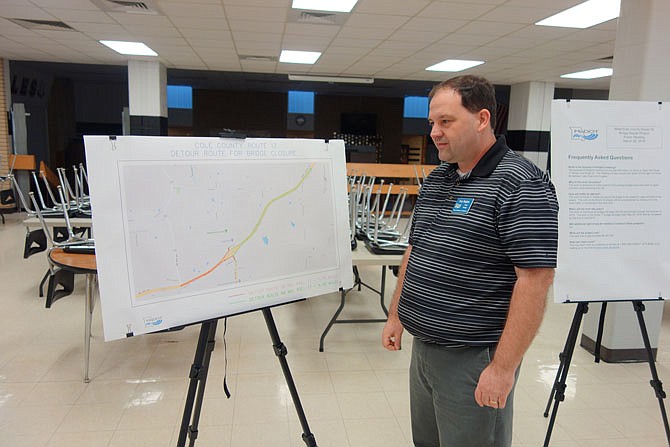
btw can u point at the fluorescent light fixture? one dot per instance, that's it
(590, 74)
(129, 48)
(299, 57)
(325, 5)
(584, 15)
(454, 65)
(331, 79)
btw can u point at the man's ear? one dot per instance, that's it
(484, 117)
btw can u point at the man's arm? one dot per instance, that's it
(392, 333)
(523, 320)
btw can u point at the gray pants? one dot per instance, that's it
(442, 384)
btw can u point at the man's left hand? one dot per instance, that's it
(494, 387)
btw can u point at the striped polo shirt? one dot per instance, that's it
(467, 235)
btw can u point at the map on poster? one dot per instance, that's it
(189, 229)
(610, 165)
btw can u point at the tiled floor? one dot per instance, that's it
(354, 394)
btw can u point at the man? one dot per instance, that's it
(473, 283)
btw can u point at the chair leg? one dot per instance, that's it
(46, 276)
(36, 241)
(62, 278)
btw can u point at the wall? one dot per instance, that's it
(327, 110)
(100, 102)
(259, 114)
(62, 125)
(4, 129)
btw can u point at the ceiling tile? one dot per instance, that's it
(387, 22)
(452, 10)
(517, 14)
(355, 43)
(187, 10)
(199, 22)
(305, 29)
(408, 35)
(433, 24)
(24, 12)
(70, 4)
(365, 33)
(262, 14)
(140, 19)
(394, 7)
(490, 28)
(249, 26)
(301, 43)
(76, 15)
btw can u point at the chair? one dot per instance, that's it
(7, 201)
(59, 277)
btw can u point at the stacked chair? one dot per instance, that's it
(66, 202)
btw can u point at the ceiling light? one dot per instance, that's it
(454, 65)
(129, 48)
(590, 74)
(331, 79)
(325, 5)
(584, 15)
(299, 57)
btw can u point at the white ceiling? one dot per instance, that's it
(391, 39)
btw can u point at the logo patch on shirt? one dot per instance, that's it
(462, 206)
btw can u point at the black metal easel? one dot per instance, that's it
(558, 390)
(198, 379)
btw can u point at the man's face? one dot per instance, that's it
(454, 128)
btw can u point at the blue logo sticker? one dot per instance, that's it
(582, 134)
(462, 206)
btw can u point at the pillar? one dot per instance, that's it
(4, 126)
(147, 91)
(641, 73)
(529, 120)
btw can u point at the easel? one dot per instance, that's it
(558, 390)
(198, 379)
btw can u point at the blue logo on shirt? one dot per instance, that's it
(462, 206)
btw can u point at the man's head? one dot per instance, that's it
(476, 93)
(461, 115)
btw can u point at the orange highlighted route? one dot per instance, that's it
(230, 253)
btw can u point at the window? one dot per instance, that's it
(301, 102)
(180, 96)
(416, 107)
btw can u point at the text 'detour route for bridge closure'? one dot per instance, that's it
(190, 229)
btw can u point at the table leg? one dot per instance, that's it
(87, 324)
(382, 290)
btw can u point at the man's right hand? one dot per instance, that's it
(392, 333)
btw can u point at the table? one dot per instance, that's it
(80, 263)
(359, 257)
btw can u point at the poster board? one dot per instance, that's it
(610, 165)
(190, 229)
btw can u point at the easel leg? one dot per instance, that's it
(281, 351)
(558, 390)
(656, 384)
(198, 377)
(599, 335)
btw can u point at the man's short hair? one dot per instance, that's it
(476, 92)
